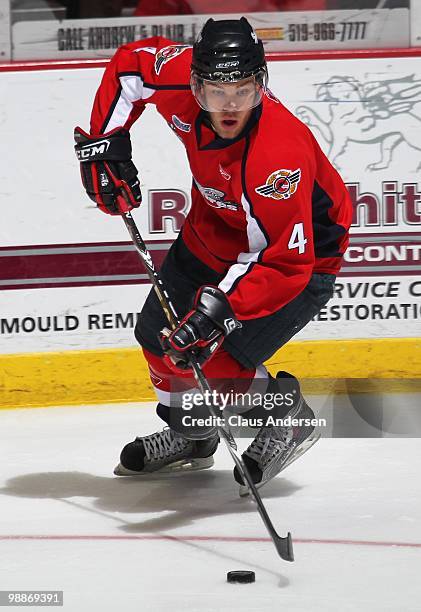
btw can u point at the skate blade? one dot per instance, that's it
(173, 469)
(244, 491)
(303, 448)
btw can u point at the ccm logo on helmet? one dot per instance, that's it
(92, 150)
(231, 64)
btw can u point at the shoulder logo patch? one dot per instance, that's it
(166, 54)
(281, 184)
(184, 127)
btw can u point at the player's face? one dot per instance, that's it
(230, 105)
(229, 124)
(239, 96)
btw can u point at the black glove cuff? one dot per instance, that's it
(213, 303)
(114, 147)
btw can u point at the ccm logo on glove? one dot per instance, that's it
(93, 150)
(108, 173)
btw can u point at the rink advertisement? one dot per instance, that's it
(415, 28)
(69, 275)
(5, 43)
(281, 31)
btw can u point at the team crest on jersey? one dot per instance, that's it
(166, 54)
(216, 198)
(281, 184)
(224, 173)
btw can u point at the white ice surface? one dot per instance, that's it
(56, 480)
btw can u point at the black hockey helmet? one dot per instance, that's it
(226, 47)
(227, 51)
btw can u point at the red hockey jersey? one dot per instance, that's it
(268, 209)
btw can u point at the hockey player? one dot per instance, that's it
(261, 245)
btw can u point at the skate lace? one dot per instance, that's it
(268, 442)
(163, 444)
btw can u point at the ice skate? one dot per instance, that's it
(165, 453)
(274, 448)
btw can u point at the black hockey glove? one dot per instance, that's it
(202, 330)
(108, 174)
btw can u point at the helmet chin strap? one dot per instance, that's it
(211, 124)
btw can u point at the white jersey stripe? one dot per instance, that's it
(132, 90)
(257, 242)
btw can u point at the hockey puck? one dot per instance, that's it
(241, 576)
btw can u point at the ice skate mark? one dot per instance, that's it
(204, 538)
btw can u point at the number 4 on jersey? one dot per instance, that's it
(297, 239)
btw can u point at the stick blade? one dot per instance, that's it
(284, 547)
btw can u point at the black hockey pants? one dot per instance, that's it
(258, 339)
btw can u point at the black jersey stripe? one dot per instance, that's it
(326, 233)
(175, 87)
(111, 109)
(251, 264)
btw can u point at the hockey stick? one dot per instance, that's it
(283, 545)
(168, 308)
